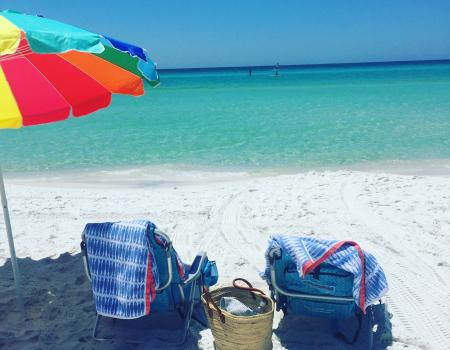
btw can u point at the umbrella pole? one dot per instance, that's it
(12, 250)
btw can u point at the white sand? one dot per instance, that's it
(403, 219)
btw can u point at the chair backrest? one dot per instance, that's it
(325, 281)
(168, 298)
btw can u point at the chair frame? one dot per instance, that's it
(274, 255)
(194, 280)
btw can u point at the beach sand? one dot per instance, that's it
(404, 220)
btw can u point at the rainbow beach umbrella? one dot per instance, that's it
(50, 70)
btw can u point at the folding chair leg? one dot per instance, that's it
(188, 310)
(365, 324)
(184, 332)
(95, 330)
(198, 312)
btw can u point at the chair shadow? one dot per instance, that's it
(304, 333)
(59, 310)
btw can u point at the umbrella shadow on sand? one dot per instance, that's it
(296, 332)
(60, 313)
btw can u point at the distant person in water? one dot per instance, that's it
(250, 72)
(276, 69)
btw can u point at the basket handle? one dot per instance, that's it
(209, 302)
(250, 288)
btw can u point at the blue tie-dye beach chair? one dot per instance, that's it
(135, 271)
(328, 279)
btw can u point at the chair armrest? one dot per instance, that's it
(169, 271)
(168, 250)
(164, 235)
(196, 267)
(274, 254)
(85, 259)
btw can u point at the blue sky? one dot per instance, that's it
(205, 33)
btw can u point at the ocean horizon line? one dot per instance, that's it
(307, 65)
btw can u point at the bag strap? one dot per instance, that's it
(253, 291)
(209, 302)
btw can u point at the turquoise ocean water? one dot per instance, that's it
(305, 117)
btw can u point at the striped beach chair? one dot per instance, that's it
(328, 279)
(135, 272)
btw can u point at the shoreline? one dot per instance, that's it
(173, 174)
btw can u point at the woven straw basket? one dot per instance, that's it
(240, 332)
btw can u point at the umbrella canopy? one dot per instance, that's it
(50, 70)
